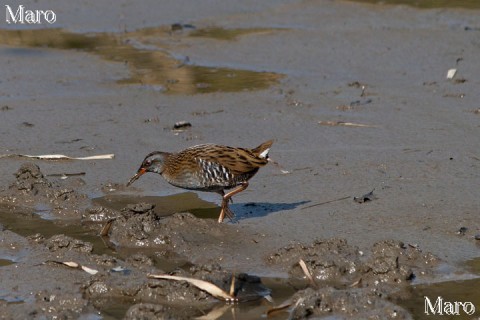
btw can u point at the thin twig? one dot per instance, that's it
(326, 202)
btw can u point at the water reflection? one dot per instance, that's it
(146, 52)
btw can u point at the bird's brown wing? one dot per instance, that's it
(237, 160)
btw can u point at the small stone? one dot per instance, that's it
(462, 231)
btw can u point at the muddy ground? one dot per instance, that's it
(356, 98)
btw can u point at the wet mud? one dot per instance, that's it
(139, 242)
(429, 3)
(345, 281)
(358, 97)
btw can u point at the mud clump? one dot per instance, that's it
(32, 188)
(349, 282)
(99, 214)
(139, 260)
(183, 233)
(330, 261)
(60, 304)
(354, 304)
(335, 262)
(136, 224)
(61, 242)
(394, 262)
(30, 179)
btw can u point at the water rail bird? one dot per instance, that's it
(208, 167)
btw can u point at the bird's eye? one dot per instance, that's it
(148, 163)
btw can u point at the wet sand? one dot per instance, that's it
(355, 96)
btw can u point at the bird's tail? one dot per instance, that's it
(262, 150)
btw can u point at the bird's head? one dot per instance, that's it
(153, 162)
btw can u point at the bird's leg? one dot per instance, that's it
(227, 197)
(222, 193)
(225, 209)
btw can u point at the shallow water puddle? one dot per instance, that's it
(164, 205)
(6, 262)
(8, 298)
(429, 4)
(474, 266)
(228, 34)
(440, 296)
(30, 223)
(437, 297)
(27, 224)
(146, 53)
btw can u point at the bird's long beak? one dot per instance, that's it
(139, 173)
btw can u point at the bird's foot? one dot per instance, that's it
(225, 211)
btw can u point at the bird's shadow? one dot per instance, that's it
(261, 209)
(247, 210)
